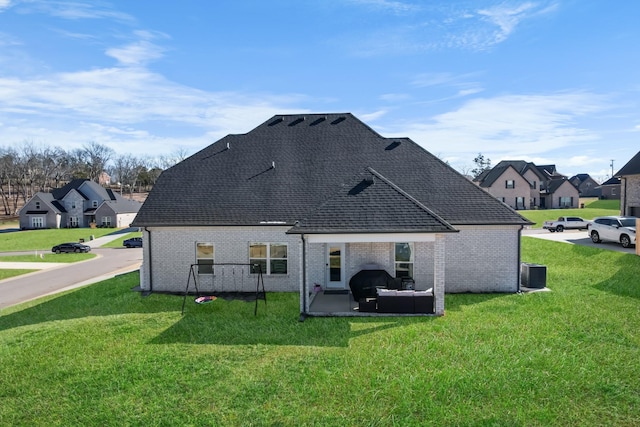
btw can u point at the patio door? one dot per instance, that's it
(335, 266)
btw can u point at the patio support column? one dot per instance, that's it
(438, 274)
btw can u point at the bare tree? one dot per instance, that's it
(96, 157)
(126, 170)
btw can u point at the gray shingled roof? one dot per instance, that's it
(632, 167)
(118, 203)
(371, 203)
(284, 170)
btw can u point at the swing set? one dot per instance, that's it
(231, 268)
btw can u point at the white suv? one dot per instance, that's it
(618, 229)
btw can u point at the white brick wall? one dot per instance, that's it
(482, 259)
(174, 250)
(478, 259)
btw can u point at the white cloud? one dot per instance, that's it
(510, 125)
(74, 10)
(388, 5)
(506, 18)
(4, 4)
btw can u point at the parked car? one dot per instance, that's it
(620, 229)
(70, 247)
(134, 242)
(566, 223)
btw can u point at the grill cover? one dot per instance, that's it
(363, 284)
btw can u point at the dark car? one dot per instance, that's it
(70, 247)
(134, 242)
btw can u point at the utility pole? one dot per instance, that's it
(612, 168)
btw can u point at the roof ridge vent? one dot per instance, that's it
(318, 121)
(276, 121)
(297, 121)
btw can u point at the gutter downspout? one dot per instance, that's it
(303, 314)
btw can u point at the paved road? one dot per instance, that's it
(576, 237)
(109, 263)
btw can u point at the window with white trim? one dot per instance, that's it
(510, 183)
(37, 222)
(404, 259)
(73, 221)
(271, 257)
(106, 221)
(205, 257)
(94, 203)
(38, 205)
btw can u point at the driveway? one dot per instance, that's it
(576, 237)
(59, 277)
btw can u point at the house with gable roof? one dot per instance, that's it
(587, 186)
(79, 203)
(316, 198)
(523, 185)
(514, 182)
(630, 187)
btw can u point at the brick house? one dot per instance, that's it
(514, 182)
(78, 204)
(523, 185)
(630, 187)
(610, 189)
(313, 198)
(587, 186)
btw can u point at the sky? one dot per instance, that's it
(546, 81)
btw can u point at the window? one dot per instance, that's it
(565, 202)
(404, 259)
(73, 221)
(271, 257)
(509, 184)
(106, 221)
(94, 203)
(73, 204)
(204, 258)
(534, 185)
(37, 205)
(37, 222)
(519, 202)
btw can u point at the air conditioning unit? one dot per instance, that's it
(533, 275)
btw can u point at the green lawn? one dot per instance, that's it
(6, 274)
(590, 211)
(104, 356)
(29, 240)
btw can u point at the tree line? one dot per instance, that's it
(30, 168)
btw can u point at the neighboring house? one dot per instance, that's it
(314, 199)
(523, 185)
(587, 186)
(610, 189)
(78, 204)
(514, 182)
(630, 187)
(559, 193)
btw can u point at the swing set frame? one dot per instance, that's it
(260, 292)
